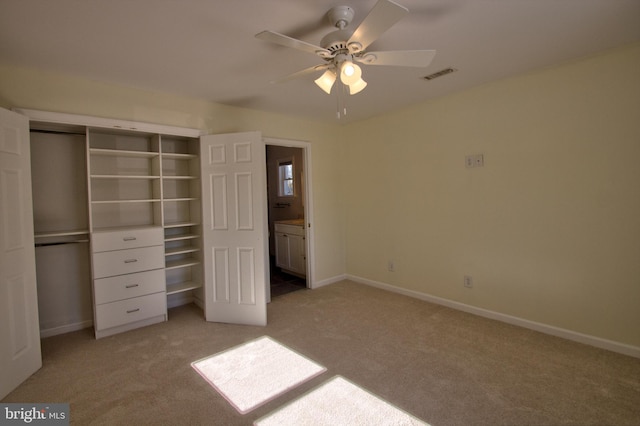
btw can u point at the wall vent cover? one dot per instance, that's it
(439, 73)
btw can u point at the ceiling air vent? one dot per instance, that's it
(439, 73)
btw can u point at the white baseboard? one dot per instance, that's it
(598, 342)
(198, 302)
(48, 332)
(332, 280)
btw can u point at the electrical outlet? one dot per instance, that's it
(391, 266)
(468, 281)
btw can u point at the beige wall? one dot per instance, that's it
(28, 88)
(549, 228)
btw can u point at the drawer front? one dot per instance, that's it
(127, 286)
(120, 262)
(289, 229)
(130, 310)
(118, 240)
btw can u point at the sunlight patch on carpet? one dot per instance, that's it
(339, 402)
(253, 373)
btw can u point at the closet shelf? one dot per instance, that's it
(181, 199)
(180, 224)
(180, 237)
(178, 156)
(150, 200)
(182, 287)
(183, 263)
(123, 177)
(61, 243)
(122, 153)
(176, 177)
(180, 250)
(61, 233)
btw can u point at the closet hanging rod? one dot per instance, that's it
(79, 232)
(59, 243)
(57, 132)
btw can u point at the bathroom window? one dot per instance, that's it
(286, 185)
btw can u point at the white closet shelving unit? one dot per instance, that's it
(141, 205)
(125, 194)
(181, 214)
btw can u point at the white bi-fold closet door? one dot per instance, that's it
(19, 331)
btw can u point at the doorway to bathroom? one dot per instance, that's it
(289, 222)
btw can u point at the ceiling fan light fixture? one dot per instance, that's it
(349, 72)
(357, 87)
(351, 75)
(326, 81)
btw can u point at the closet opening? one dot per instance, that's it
(288, 216)
(61, 228)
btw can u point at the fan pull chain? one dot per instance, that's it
(341, 105)
(344, 99)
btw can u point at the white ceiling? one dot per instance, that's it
(206, 48)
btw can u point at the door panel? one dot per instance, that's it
(244, 207)
(19, 330)
(234, 228)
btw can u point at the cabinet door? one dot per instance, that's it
(19, 330)
(296, 254)
(234, 225)
(282, 251)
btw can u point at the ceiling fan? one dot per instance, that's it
(342, 49)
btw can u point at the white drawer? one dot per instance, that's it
(130, 310)
(127, 286)
(289, 229)
(126, 239)
(111, 263)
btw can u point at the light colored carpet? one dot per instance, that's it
(253, 373)
(339, 402)
(446, 367)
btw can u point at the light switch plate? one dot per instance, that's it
(475, 160)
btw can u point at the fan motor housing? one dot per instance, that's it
(335, 41)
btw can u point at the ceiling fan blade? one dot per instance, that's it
(382, 17)
(287, 41)
(400, 58)
(302, 73)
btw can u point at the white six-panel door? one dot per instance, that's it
(234, 225)
(19, 329)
